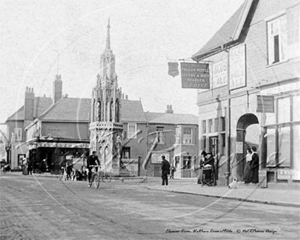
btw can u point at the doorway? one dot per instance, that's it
(247, 135)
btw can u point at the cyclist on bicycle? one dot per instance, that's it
(92, 160)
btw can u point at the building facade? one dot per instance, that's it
(16, 136)
(254, 64)
(59, 135)
(176, 137)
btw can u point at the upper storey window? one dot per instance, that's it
(284, 35)
(277, 40)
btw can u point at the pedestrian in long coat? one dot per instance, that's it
(247, 170)
(165, 170)
(254, 166)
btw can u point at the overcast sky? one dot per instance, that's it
(145, 36)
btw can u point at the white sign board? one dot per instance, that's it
(284, 174)
(156, 157)
(219, 78)
(237, 62)
(239, 147)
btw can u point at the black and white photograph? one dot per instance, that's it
(149, 119)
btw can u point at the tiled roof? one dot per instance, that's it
(229, 32)
(41, 104)
(18, 115)
(79, 109)
(132, 111)
(171, 118)
(68, 109)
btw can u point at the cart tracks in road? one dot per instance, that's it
(37, 195)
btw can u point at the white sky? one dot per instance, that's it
(145, 36)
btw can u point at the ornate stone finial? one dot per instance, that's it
(108, 35)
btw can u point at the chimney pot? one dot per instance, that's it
(169, 109)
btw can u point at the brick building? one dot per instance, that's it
(17, 122)
(254, 64)
(176, 137)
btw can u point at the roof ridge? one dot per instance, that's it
(226, 35)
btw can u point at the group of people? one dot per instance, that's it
(27, 166)
(252, 166)
(206, 159)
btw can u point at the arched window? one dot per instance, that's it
(99, 110)
(117, 110)
(111, 111)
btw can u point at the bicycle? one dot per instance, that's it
(95, 176)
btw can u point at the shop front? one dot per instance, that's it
(281, 135)
(51, 156)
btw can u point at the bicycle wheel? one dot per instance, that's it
(96, 180)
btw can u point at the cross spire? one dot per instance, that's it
(108, 35)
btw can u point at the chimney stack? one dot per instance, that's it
(29, 104)
(57, 89)
(169, 109)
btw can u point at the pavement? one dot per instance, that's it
(281, 194)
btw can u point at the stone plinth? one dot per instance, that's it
(106, 140)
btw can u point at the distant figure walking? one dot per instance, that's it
(254, 166)
(247, 170)
(173, 169)
(165, 170)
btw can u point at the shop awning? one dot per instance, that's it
(58, 145)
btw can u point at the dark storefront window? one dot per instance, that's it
(126, 152)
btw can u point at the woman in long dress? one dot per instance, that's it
(247, 170)
(254, 166)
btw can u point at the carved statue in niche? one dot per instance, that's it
(119, 148)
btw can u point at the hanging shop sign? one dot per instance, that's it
(173, 69)
(237, 61)
(265, 104)
(195, 75)
(220, 73)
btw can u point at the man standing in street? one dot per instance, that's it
(92, 160)
(165, 170)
